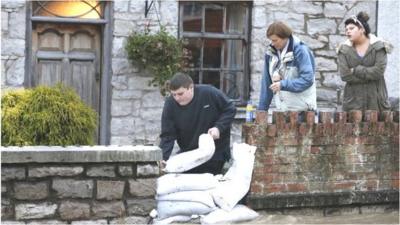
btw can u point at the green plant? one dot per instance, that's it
(46, 116)
(161, 53)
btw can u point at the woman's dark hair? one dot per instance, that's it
(361, 21)
(180, 80)
(280, 29)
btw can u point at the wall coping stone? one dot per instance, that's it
(285, 200)
(79, 154)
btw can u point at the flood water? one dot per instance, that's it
(391, 217)
(370, 218)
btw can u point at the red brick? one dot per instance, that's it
(315, 149)
(293, 119)
(380, 128)
(355, 116)
(296, 187)
(396, 184)
(346, 185)
(256, 188)
(310, 117)
(325, 117)
(272, 141)
(318, 130)
(340, 117)
(371, 116)
(261, 117)
(279, 118)
(386, 116)
(304, 129)
(275, 188)
(271, 130)
(372, 185)
(396, 116)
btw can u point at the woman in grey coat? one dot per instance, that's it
(362, 63)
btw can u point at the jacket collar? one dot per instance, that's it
(293, 40)
(374, 41)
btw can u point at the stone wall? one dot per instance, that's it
(13, 17)
(136, 107)
(78, 185)
(335, 159)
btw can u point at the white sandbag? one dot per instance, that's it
(189, 196)
(171, 183)
(239, 213)
(243, 161)
(236, 182)
(167, 209)
(172, 219)
(188, 160)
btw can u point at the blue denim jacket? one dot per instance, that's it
(303, 60)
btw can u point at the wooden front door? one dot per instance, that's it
(68, 54)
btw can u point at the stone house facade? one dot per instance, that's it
(129, 109)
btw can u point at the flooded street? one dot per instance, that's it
(311, 217)
(371, 218)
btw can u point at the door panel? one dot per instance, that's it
(69, 54)
(49, 72)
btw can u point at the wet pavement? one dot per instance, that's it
(370, 218)
(391, 217)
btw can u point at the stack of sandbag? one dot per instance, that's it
(185, 195)
(214, 198)
(179, 196)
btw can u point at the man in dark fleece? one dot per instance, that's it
(192, 110)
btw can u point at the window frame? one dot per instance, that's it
(202, 35)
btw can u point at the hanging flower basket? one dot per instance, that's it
(160, 53)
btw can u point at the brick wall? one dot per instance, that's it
(326, 160)
(91, 185)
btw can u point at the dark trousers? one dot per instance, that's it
(211, 166)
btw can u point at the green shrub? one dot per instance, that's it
(160, 53)
(46, 116)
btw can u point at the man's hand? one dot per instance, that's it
(214, 132)
(162, 165)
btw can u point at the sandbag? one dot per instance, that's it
(172, 219)
(189, 196)
(188, 160)
(236, 182)
(171, 183)
(243, 156)
(167, 209)
(239, 213)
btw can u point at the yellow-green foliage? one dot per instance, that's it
(46, 116)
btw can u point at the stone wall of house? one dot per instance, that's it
(389, 29)
(340, 159)
(136, 108)
(78, 185)
(13, 17)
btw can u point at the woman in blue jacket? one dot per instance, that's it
(288, 72)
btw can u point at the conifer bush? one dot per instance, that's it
(46, 116)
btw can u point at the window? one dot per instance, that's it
(88, 9)
(217, 35)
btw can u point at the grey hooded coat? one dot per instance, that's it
(364, 76)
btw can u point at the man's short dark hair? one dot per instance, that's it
(180, 80)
